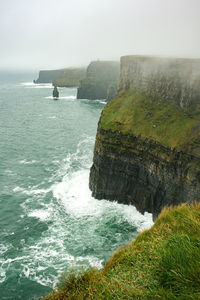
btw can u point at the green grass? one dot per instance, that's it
(162, 263)
(161, 121)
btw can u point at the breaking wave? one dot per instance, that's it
(80, 230)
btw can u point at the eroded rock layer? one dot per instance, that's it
(142, 172)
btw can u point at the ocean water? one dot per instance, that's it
(49, 223)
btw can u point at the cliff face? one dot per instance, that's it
(101, 81)
(169, 79)
(147, 150)
(70, 77)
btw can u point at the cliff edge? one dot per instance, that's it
(147, 150)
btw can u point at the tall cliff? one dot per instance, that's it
(147, 150)
(69, 77)
(101, 82)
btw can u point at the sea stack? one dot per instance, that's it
(55, 92)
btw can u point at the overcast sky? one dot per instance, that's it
(38, 34)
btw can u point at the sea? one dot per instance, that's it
(49, 222)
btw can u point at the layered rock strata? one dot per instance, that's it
(142, 172)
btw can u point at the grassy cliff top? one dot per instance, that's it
(161, 121)
(162, 263)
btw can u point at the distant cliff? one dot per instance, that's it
(48, 76)
(101, 81)
(69, 77)
(147, 150)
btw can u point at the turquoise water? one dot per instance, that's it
(49, 222)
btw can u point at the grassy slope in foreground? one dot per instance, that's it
(162, 263)
(161, 121)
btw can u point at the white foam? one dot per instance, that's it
(26, 162)
(44, 280)
(75, 195)
(10, 260)
(2, 275)
(82, 156)
(9, 172)
(18, 189)
(68, 97)
(41, 214)
(93, 261)
(32, 191)
(73, 192)
(31, 83)
(103, 101)
(135, 218)
(56, 257)
(71, 201)
(3, 248)
(62, 97)
(32, 274)
(43, 86)
(49, 97)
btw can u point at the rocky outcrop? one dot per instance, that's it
(147, 150)
(101, 81)
(70, 77)
(55, 92)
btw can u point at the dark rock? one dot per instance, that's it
(142, 172)
(55, 92)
